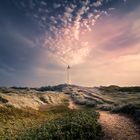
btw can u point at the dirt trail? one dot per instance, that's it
(118, 127)
(72, 105)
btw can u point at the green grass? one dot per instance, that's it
(14, 121)
(73, 125)
(57, 122)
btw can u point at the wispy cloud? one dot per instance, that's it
(67, 28)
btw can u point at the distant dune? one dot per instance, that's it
(107, 98)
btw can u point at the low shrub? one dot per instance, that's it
(130, 89)
(128, 109)
(3, 100)
(91, 103)
(75, 125)
(114, 88)
(52, 88)
(43, 99)
(105, 107)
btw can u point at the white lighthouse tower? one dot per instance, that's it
(68, 75)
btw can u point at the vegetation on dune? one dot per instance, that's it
(57, 122)
(74, 125)
(14, 121)
(114, 88)
(3, 100)
(127, 108)
(129, 89)
(124, 99)
(52, 88)
(60, 88)
(130, 109)
(43, 99)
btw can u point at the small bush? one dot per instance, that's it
(129, 89)
(43, 99)
(52, 88)
(2, 100)
(105, 107)
(91, 103)
(80, 101)
(127, 109)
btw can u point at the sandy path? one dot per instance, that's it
(72, 105)
(118, 127)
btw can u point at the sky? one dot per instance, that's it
(99, 39)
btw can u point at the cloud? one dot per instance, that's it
(56, 5)
(65, 30)
(66, 43)
(43, 3)
(97, 3)
(127, 34)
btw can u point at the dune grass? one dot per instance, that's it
(57, 122)
(14, 121)
(73, 125)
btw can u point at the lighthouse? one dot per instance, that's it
(68, 75)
